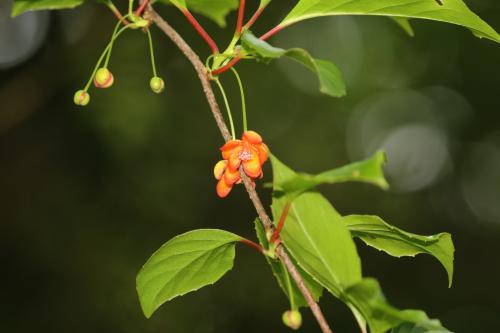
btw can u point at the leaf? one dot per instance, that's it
(452, 11)
(405, 24)
(368, 171)
(426, 326)
(288, 286)
(216, 10)
(316, 237)
(330, 78)
(21, 6)
(368, 298)
(185, 263)
(398, 243)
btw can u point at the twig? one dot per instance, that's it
(151, 14)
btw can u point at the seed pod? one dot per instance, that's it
(81, 98)
(157, 84)
(103, 78)
(292, 319)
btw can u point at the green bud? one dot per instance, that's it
(103, 78)
(81, 98)
(157, 84)
(292, 319)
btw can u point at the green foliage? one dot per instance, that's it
(398, 243)
(216, 10)
(316, 236)
(285, 282)
(452, 11)
(185, 263)
(367, 171)
(330, 78)
(321, 241)
(368, 298)
(21, 6)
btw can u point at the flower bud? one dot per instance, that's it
(292, 319)
(157, 84)
(81, 98)
(103, 78)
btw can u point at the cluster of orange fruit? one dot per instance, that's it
(250, 153)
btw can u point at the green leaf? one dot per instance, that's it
(316, 237)
(368, 298)
(185, 263)
(21, 6)
(398, 243)
(216, 10)
(425, 326)
(320, 243)
(452, 11)
(368, 171)
(405, 24)
(285, 282)
(330, 78)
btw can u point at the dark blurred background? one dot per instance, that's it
(87, 194)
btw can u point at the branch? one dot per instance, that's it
(152, 15)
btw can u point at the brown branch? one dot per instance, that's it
(203, 75)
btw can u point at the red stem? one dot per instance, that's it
(227, 66)
(255, 16)
(272, 32)
(118, 15)
(201, 31)
(281, 223)
(252, 244)
(265, 36)
(241, 15)
(141, 8)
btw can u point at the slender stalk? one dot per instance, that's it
(252, 244)
(227, 66)
(151, 53)
(228, 109)
(281, 223)
(201, 31)
(101, 58)
(291, 297)
(241, 15)
(236, 59)
(116, 11)
(141, 7)
(254, 17)
(113, 37)
(254, 197)
(130, 6)
(243, 103)
(272, 32)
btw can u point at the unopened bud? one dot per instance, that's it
(81, 98)
(103, 78)
(157, 84)
(292, 319)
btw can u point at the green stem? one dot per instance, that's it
(221, 88)
(291, 297)
(130, 7)
(243, 103)
(102, 56)
(151, 53)
(108, 56)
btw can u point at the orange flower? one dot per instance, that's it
(249, 152)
